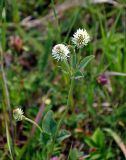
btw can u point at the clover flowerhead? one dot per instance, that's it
(80, 38)
(60, 52)
(18, 114)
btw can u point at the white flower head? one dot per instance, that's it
(60, 52)
(18, 114)
(80, 38)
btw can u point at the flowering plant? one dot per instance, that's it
(73, 65)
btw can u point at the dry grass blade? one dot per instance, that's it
(111, 73)
(117, 140)
(113, 2)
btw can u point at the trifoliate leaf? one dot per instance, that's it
(49, 125)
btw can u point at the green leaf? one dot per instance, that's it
(85, 61)
(63, 134)
(99, 138)
(73, 155)
(96, 156)
(109, 153)
(46, 138)
(79, 75)
(66, 67)
(49, 125)
(90, 142)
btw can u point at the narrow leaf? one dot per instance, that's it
(79, 75)
(63, 134)
(85, 61)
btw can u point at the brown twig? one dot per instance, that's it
(60, 9)
(38, 117)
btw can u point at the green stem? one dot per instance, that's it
(63, 116)
(68, 104)
(33, 122)
(65, 63)
(79, 56)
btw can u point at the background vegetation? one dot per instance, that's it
(97, 120)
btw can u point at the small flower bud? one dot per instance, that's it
(102, 79)
(16, 42)
(18, 114)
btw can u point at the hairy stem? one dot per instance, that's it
(33, 122)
